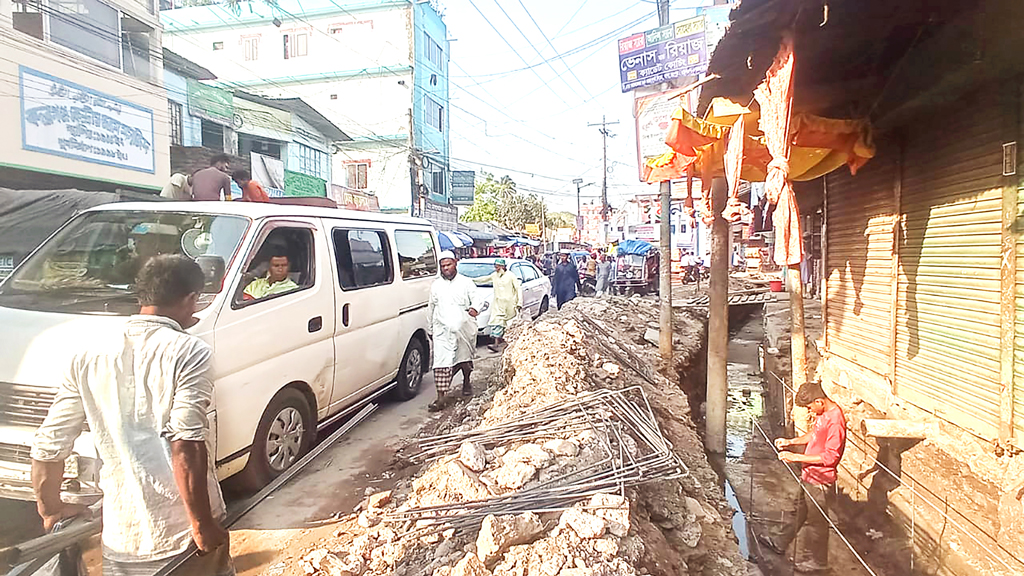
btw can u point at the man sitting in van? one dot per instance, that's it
(275, 282)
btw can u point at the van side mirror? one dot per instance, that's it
(213, 271)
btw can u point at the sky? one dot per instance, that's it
(523, 92)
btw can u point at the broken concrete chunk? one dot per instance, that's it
(652, 336)
(690, 534)
(514, 475)
(315, 557)
(499, 533)
(607, 547)
(333, 566)
(470, 565)
(453, 481)
(576, 572)
(585, 525)
(611, 368)
(380, 499)
(361, 546)
(368, 519)
(560, 447)
(472, 456)
(614, 509)
(694, 507)
(531, 454)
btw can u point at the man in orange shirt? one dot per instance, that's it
(252, 191)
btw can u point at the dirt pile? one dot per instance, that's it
(581, 460)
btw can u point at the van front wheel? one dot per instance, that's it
(284, 435)
(410, 373)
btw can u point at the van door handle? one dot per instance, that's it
(315, 324)
(344, 315)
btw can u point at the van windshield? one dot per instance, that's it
(89, 266)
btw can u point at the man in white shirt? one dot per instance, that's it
(179, 187)
(144, 391)
(453, 308)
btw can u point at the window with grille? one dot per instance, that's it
(434, 113)
(357, 175)
(312, 161)
(434, 53)
(251, 48)
(174, 111)
(437, 183)
(295, 45)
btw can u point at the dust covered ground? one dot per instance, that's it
(579, 458)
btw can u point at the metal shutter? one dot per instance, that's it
(947, 340)
(861, 213)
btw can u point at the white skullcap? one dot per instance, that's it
(446, 255)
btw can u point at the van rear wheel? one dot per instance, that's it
(285, 434)
(410, 373)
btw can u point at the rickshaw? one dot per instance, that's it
(636, 268)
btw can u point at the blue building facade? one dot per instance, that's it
(430, 100)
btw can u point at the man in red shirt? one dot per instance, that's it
(252, 191)
(825, 443)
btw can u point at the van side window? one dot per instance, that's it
(364, 258)
(416, 256)
(282, 263)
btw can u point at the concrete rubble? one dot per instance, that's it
(671, 527)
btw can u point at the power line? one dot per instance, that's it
(548, 40)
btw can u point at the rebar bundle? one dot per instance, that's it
(633, 451)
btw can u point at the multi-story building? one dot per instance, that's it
(83, 104)
(378, 69)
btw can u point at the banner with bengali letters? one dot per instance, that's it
(65, 119)
(663, 54)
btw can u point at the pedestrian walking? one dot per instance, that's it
(144, 391)
(604, 272)
(453, 308)
(567, 279)
(508, 301)
(213, 183)
(825, 443)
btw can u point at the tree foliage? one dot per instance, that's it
(497, 200)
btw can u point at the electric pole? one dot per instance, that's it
(604, 175)
(665, 277)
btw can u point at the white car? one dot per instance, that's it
(536, 286)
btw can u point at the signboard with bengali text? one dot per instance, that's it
(463, 187)
(66, 119)
(663, 54)
(210, 103)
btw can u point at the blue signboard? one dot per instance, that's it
(663, 54)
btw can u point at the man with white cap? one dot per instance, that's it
(453, 307)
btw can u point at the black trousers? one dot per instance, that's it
(816, 527)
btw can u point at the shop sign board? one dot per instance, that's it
(210, 103)
(663, 54)
(66, 119)
(463, 187)
(444, 217)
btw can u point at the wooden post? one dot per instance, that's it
(665, 324)
(894, 280)
(1007, 304)
(798, 340)
(718, 323)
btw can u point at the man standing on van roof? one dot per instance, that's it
(453, 307)
(145, 392)
(213, 183)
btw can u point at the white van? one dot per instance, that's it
(351, 327)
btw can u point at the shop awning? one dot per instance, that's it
(819, 146)
(452, 240)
